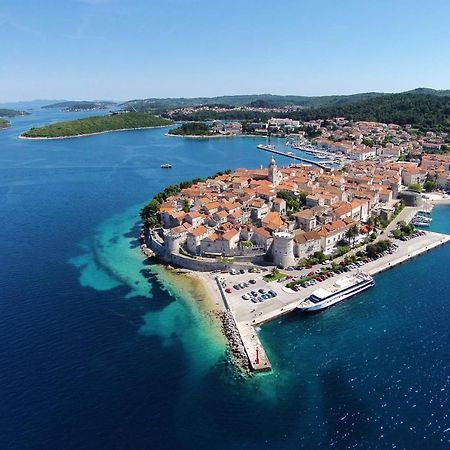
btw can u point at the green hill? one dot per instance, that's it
(421, 110)
(97, 124)
(3, 123)
(424, 111)
(259, 100)
(265, 100)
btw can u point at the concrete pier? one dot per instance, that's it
(253, 348)
(269, 149)
(248, 315)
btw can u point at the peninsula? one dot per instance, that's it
(96, 124)
(267, 236)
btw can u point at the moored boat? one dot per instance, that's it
(166, 166)
(345, 287)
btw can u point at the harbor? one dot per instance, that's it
(325, 165)
(248, 316)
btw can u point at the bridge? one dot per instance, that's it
(271, 149)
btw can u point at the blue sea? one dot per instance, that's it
(100, 350)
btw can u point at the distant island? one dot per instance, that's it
(96, 124)
(196, 129)
(76, 106)
(9, 113)
(12, 113)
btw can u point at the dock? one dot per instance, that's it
(271, 149)
(257, 358)
(248, 316)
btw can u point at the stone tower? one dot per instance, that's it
(283, 249)
(273, 172)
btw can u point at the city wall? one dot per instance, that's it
(199, 264)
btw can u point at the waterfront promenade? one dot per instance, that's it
(248, 315)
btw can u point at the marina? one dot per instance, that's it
(325, 165)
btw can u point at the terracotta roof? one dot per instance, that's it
(230, 234)
(273, 218)
(305, 236)
(263, 232)
(199, 231)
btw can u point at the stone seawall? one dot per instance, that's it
(198, 264)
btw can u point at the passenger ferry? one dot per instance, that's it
(345, 287)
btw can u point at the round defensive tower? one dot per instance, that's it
(283, 249)
(411, 198)
(172, 243)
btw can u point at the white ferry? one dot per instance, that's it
(166, 166)
(345, 287)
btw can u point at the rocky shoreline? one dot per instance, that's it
(235, 351)
(235, 348)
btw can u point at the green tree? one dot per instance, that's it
(351, 234)
(430, 185)
(415, 187)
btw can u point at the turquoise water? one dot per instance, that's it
(100, 350)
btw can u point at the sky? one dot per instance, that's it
(126, 49)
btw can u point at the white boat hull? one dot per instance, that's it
(308, 305)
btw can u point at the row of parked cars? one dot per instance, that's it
(259, 296)
(242, 271)
(412, 236)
